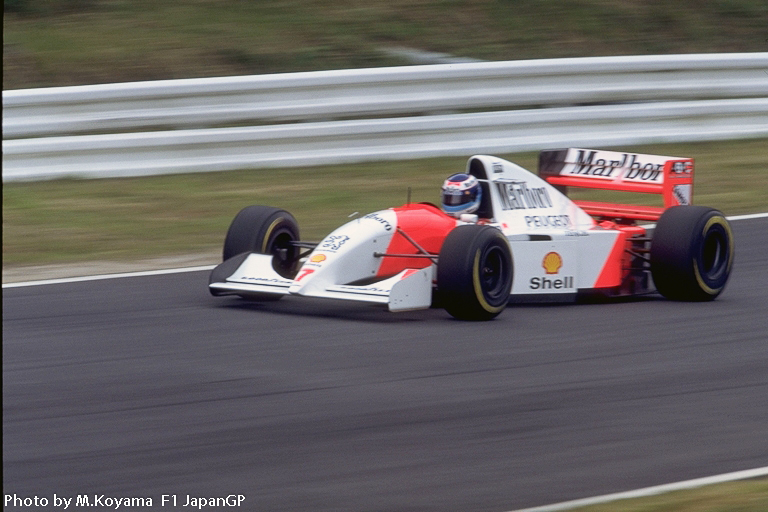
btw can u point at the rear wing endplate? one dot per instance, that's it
(669, 176)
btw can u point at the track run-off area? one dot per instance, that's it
(143, 386)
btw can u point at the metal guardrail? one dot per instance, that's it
(381, 139)
(725, 96)
(380, 91)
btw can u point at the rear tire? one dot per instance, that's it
(265, 230)
(474, 272)
(692, 253)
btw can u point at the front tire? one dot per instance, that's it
(265, 230)
(692, 253)
(474, 272)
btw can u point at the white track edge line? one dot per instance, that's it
(748, 216)
(652, 491)
(65, 280)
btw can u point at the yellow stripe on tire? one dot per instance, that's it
(479, 289)
(269, 232)
(711, 222)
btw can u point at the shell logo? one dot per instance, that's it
(317, 258)
(552, 263)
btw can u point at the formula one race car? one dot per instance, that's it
(522, 239)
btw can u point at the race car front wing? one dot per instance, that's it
(252, 275)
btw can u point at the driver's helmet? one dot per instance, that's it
(461, 194)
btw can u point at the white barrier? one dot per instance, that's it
(382, 91)
(381, 139)
(736, 83)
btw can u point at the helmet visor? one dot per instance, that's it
(458, 198)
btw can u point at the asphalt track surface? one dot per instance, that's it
(147, 386)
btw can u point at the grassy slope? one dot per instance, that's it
(119, 40)
(122, 219)
(747, 496)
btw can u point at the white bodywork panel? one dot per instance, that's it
(410, 289)
(556, 246)
(524, 203)
(255, 275)
(344, 256)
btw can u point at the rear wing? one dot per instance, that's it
(669, 176)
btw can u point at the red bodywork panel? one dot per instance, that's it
(618, 263)
(426, 225)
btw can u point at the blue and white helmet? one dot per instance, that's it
(461, 194)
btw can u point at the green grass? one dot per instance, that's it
(744, 496)
(71, 42)
(66, 221)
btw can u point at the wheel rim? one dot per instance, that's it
(714, 255)
(493, 274)
(284, 253)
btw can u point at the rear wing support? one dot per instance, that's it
(671, 177)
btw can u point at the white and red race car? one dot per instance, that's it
(527, 241)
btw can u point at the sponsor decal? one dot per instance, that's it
(498, 167)
(552, 263)
(587, 165)
(683, 167)
(364, 289)
(547, 221)
(318, 258)
(545, 283)
(334, 242)
(682, 194)
(519, 196)
(266, 280)
(381, 220)
(304, 273)
(632, 168)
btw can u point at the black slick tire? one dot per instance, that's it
(265, 230)
(692, 252)
(474, 272)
